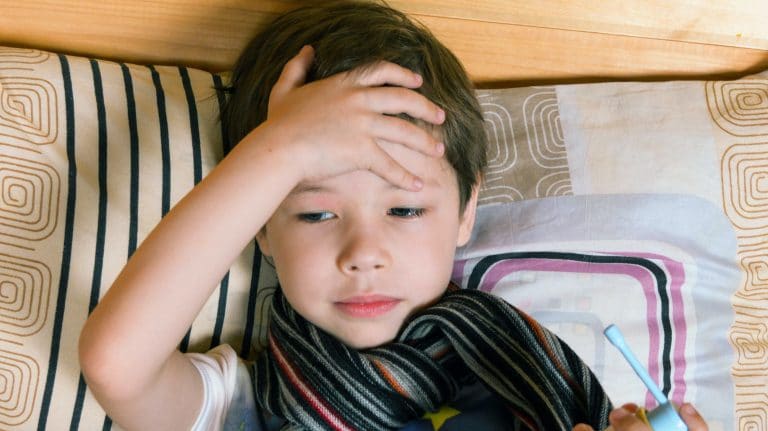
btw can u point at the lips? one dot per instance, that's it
(367, 306)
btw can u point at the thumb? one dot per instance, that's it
(583, 427)
(294, 72)
(692, 418)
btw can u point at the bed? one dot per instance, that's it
(628, 182)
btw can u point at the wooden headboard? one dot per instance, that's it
(501, 42)
(647, 202)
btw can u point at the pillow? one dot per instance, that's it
(640, 204)
(92, 155)
(644, 205)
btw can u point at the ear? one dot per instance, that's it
(263, 241)
(467, 221)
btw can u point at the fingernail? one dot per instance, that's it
(630, 407)
(689, 410)
(440, 115)
(440, 149)
(419, 79)
(418, 184)
(620, 413)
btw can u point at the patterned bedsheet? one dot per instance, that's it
(641, 204)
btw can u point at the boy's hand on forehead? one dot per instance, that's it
(342, 123)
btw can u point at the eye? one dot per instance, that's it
(406, 212)
(316, 217)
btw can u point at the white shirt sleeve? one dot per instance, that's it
(218, 369)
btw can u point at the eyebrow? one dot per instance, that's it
(303, 188)
(307, 188)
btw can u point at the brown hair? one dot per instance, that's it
(351, 34)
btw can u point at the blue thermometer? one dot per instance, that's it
(662, 418)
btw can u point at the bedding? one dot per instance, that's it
(640, 204)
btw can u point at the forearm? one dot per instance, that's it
(151, 304)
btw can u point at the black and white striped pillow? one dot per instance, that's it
(92, 155)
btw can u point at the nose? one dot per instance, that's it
(363, 251)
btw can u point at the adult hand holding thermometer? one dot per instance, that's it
(665, 416)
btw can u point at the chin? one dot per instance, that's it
(368, 342)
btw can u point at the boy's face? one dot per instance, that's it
(357, 256)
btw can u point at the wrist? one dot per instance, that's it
(273, 146)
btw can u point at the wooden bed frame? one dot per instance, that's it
(501, 42)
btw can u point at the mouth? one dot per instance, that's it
(367, 306)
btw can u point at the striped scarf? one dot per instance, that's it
(316, 382)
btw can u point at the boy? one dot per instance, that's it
(357, 168)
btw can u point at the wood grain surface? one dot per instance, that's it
(501, 42)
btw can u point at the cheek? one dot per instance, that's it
(302, 275)
(434, 248)
(445, 234)
(295, 255)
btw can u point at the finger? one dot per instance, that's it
(383, 165)
(625, 420)
(387, 73)
(583, 427)
(294, 72)
(398, 130)
(692, 418)
(398, 100)
(630, 407)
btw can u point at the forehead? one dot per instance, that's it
(436, 173)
